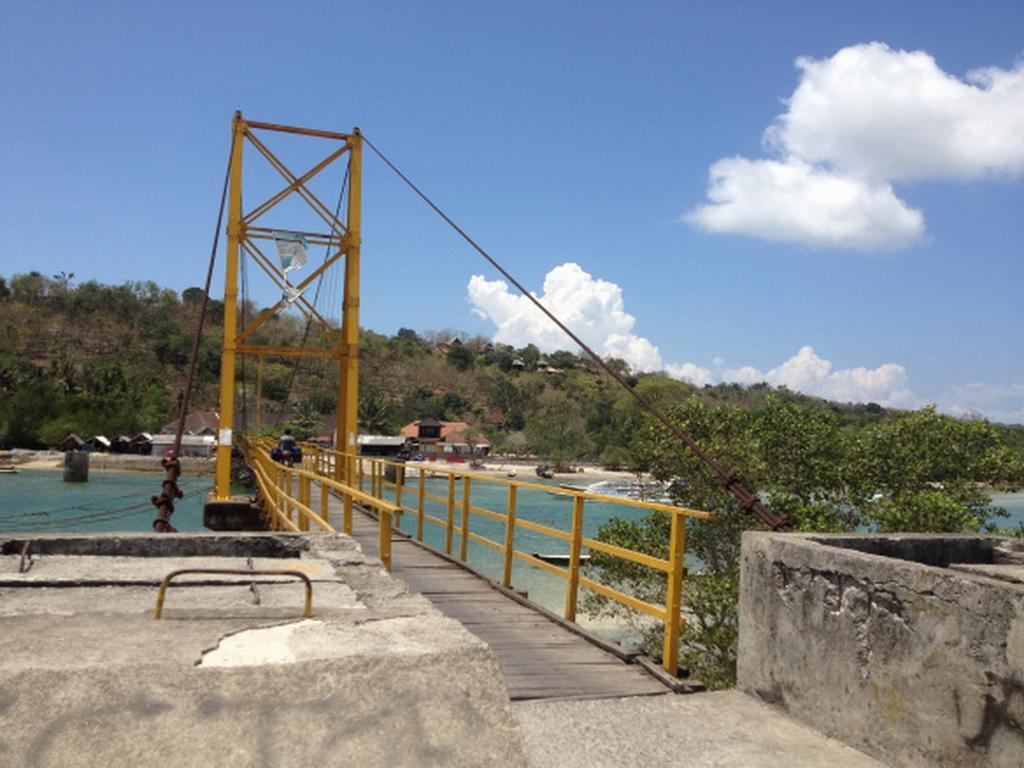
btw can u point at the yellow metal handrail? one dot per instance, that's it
(307, 611)
(459, 508)
(287, 492)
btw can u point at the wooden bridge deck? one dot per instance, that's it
(540, 659)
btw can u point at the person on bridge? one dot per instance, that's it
(287, 451)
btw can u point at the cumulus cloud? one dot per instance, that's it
(811, 374)
(796, 202)
(692, 373)
(1003, 403)
(595, 310)
(858, 121)
(870, 110)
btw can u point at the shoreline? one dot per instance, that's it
(103, 462)
(525, 469)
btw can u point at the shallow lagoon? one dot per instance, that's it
(38, 501)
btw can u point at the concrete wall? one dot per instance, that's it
(910, 647)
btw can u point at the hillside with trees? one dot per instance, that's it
(99, 359)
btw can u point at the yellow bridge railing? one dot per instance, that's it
(369, 479)
(287, 494)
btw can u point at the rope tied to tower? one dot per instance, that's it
(169, 490)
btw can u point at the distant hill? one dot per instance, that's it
(101, 359)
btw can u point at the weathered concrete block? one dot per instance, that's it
(76, 467)
(231, 676)
(388, 709)
(235, 514)
(917, 664)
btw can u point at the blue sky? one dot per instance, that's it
(572, 133)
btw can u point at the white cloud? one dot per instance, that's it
(692, 373)
(873, 111)
(796, 202)
(1000, 403)
(806, 372)
(594, 309)
(856, 122)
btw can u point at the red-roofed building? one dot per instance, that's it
(454, 437)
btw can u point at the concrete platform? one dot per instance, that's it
(234, 676)
(727, 729)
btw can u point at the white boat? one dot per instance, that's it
(558, 559)
(8, 469)
(566, 487)
(637, 490)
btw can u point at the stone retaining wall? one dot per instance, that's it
(909, 647)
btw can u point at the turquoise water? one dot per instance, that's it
(552, 510)
(1012, 503)
(39, 501)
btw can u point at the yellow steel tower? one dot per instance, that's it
(341, 240)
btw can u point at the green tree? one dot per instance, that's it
(193, 296)
(555, 430)
(919, 471)
(305, 421)
(930, 472)
(376, 415)
(461, 357)
(529, 355)
(408, 335)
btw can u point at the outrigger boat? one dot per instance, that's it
(557, 559)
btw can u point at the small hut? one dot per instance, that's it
(97, 443)
(141, 444)
(71, 443)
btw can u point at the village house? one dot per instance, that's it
(97, 443)
(71, 443)
(431, 437)
(199, 437)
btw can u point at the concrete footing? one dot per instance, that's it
(76, 467)
(237, 513)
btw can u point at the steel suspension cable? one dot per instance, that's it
(164, 503)
(202, 314)
(730, 480)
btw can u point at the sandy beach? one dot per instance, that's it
(99, 462)
(527, 470)
(524, 469)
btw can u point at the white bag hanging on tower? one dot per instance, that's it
(291, 252)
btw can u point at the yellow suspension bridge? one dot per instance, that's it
(542, 655)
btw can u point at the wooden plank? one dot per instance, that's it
(539, 658)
